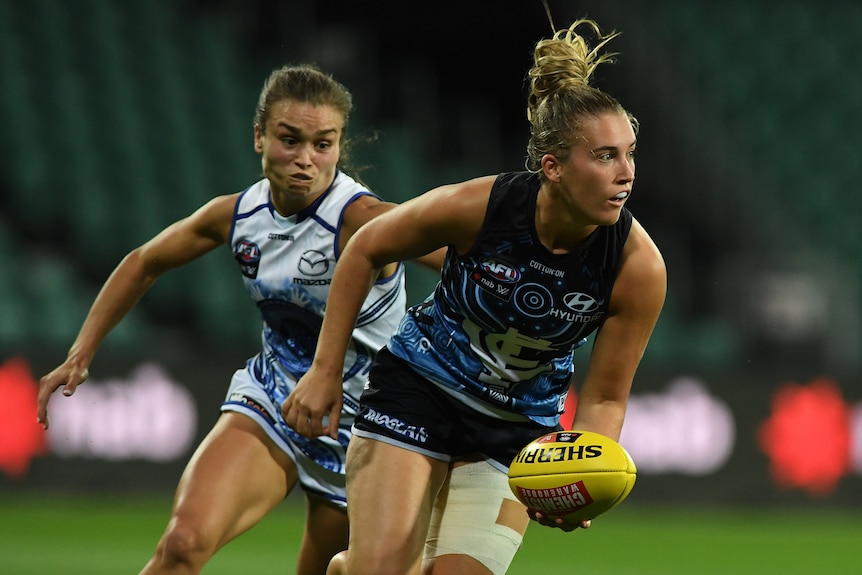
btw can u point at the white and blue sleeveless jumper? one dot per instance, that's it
(287, 265)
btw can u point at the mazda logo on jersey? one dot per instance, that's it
(580, 302)
(313, 263)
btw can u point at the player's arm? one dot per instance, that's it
(366, 208)
(179, 243)
(449, 215)
(636, 302)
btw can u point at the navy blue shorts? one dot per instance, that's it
(402, 408)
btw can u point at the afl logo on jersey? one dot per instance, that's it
(580, 302)
(247, 255)
(495, 277)
(500, 271)
(313, 263)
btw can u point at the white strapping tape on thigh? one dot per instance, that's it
(465, 523)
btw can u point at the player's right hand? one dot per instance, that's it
(313, 408)
(557, 522)
(68, 376)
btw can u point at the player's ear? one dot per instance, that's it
(258, 139)
(551, 168)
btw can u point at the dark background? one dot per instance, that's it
(121, 117)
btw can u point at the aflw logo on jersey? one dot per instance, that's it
(495, 277)
(247, 255)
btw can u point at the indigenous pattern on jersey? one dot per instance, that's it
(287, 265)
(501, 327)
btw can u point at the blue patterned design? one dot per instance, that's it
(504, 321)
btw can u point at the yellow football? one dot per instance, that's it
(573, 474)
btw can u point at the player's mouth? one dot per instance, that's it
(620, 198)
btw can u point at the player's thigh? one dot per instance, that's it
(477, 525)
(455, 564)
(390, 491)
(235, 477)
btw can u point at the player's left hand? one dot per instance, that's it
(69, 375)
(557, 522)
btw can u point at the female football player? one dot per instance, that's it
(537, 261)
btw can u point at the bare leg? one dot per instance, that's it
(484, 521)
(218, 498)
(460, 564)
(325, 535)
(476, 525)
(390, 492)
(338, 564)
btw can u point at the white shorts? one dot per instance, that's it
(320, 461)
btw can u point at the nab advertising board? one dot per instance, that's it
(711, 438)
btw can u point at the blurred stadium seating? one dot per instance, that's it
(122, 117)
